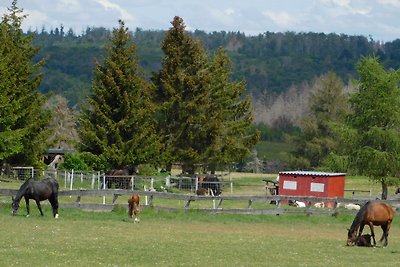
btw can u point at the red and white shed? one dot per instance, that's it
(309, 183)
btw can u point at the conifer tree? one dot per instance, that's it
(24, 120)
(203, 117)
(229, 116)
(328, 105)
(117, 126)
(182, 96)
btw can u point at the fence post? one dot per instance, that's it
(93, 178)
(196, 184)
(104, 187)
(65, 179)
(98, 180)
(72, 179)
(145, 197)
(168, 182)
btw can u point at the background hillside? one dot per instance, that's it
(271, 63)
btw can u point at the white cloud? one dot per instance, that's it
(346, 7)
(393, 3)
(280, 18)
(108, 5)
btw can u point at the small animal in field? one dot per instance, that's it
(319, 205)
(38, 191)
(134, 207)
(364, 241)
(372, 213)
(352, 206)
(296, 203)
(203, 191)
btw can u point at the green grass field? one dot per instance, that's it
(81, 238)
(192, 238)
(273, 151)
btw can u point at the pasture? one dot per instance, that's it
(81, 238)
(191, 238)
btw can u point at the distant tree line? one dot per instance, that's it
(269, 62)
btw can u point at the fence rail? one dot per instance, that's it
(218, 201)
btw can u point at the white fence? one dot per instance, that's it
(73, 179)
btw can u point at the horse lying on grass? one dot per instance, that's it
(134, 207)
(364, 241)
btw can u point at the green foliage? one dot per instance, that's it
(203, 117)
(371, 136)
(270, 62)
(24, 120)
(74, 162)
(118, 126)
(328, 105)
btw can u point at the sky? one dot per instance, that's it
(378, 19)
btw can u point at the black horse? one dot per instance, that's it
(119, 178)
(39, 191)
(211, 182)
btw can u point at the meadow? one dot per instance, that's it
(81, 238)
(191, 238)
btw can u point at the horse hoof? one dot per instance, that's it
(27, 216)
(56, 216)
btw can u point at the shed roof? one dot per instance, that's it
(312, 173)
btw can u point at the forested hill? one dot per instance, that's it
(269, 62)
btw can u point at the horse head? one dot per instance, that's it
(351, 237)
(15, 205)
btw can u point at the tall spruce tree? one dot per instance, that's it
(118, 126)
(229, 116)
(23, 120)
(182, 96)
(204, 118)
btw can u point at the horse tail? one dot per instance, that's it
(359, 217)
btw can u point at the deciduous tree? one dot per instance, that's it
(372, 132)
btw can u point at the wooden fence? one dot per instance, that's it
(218, 202)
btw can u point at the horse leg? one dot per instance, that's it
(27, 206)
(386, 232)
(39, 206)
(371, 226)
(54, 204)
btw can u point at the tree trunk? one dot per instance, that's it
(384, 190)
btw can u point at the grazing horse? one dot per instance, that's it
(39, 191)
(134, 207)
(372, 213)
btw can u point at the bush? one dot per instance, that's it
(74, 162)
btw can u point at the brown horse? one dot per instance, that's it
(372, 213)
(134, 207)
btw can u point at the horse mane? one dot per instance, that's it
(22, 189)
(359, 217)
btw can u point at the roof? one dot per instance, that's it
(312, 173)
(60, 151)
